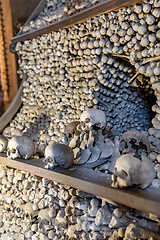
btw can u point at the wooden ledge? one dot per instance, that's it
(92, 182)
(13, 108)
(108, 6)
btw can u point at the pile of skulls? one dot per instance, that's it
(133, 167)
(109, 63)
(39, 209)
(87, 143)
(128, 158)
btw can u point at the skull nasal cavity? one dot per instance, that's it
(70, 135)
(13, 150)
(49, 159)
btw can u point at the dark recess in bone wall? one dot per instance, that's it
(127, 106)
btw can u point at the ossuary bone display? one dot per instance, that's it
(109, 63)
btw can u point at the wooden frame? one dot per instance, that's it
(8, 61)
(13, 107)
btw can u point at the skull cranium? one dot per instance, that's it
(130, 171)
(92, 118)
(134, 142)
(3, 143)
(8, 132)
(44, 139)
(71, 129)
(58, 154)
(29, 211)
(44, 217)
(20, 147)
(43, 142)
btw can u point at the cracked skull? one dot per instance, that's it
(134, 142)
(130, 171)
(20, 147)
(93, 118)
(58, 154)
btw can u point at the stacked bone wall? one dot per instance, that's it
(38, 209)
(92, 65)
(56, 11)
(111, 63)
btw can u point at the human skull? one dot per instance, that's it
(43, 142)
(20, 147)
(134, 142)
(71, 129)
(44, 139)
(136, 232)
(8, 132)
(58, 154)
(43, 217)
(93, 118)
(130, 171)
(3, 143)
(30, 213)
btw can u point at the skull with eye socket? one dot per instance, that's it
(93, 119)
(8, 132)
(58, 154)
(29, 212)
(131, 171)
(20, 147)
(43, 142)
(70, 130)
(3, 143)
(134, 142)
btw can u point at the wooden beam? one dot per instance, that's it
(113, 5)
(13, 107)
(10, 58)
(93, 182)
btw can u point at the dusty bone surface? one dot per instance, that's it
(56, 11)
(130, 171)
(20, 146)
(68, 72)
(100, 80)
(31, 207)
(57, 154)
(110, 63)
